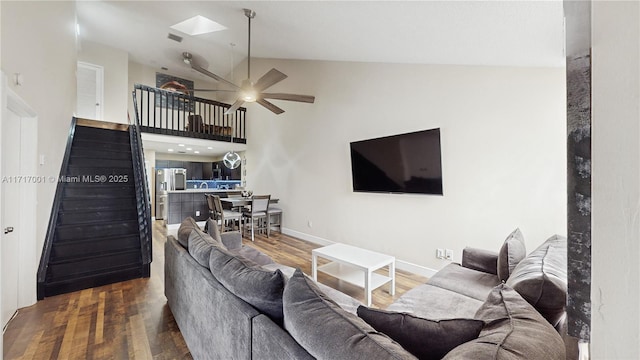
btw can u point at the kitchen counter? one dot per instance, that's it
(191, 202)
(203, 191)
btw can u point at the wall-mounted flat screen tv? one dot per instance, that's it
(405, 163)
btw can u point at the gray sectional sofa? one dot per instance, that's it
(232, 302)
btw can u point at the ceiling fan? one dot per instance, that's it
(249, 91)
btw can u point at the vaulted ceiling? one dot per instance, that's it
(512, 33)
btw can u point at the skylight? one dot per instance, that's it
(198, 25)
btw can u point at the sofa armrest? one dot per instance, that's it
(232, 240)
(481, 260)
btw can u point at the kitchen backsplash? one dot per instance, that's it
(213, 184)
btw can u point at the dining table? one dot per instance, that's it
(240, 202)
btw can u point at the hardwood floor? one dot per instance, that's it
(131, 319)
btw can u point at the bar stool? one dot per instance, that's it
(274, 218)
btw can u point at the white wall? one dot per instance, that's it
(503, 154)
(615, 180)
(115, 63)
(38, 41)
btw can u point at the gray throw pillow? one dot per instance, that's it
(511, 252)
(541, 278)
(326, 331)
(513, 330)
(213, 230)
(261, 288)
(184, 231)
(426, 339)
(200, 245)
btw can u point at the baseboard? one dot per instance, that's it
(415, 269)
(304, 236)
(400, 264)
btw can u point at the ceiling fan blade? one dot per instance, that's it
(236, 105)
(272, 77)
(270, 106)
(213, 76)
(289, 97)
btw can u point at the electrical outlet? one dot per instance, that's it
(197, 212)
(448, 254)
(439, 253)
(309, 224)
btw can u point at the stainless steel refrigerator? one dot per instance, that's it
(168, 179)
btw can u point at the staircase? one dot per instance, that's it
(98, 232)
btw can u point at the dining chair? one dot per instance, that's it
(257, 215)
(274, 218)
(223, 215)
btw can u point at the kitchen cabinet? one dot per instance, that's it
(207, 171)
(196, 171)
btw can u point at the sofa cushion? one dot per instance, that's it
(472, 283)
(184, 231)
(343, 300)
(433, 302)
(513, 330)
(328, 332)
(253, 255)
(426, 339)
(260, 288)
(541, 278)
(200, 245)
(511, 252)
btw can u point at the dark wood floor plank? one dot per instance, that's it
(131, 319)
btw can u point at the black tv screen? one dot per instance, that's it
(405, 163)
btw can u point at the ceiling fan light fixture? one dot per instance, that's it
(247, 92)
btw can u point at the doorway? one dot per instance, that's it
(19, 182)
(90, 91)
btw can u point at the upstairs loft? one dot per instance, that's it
(174, 113)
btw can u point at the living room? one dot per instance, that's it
(498, 123)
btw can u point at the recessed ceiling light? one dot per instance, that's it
(198, 25)
(209, 147)
(189, 149)
(180, 144)
(196, 152)
(170, 150)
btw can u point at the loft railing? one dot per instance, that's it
(143, 201)
(172, 113)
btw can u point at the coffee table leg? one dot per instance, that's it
(367, 288)
(392, 275)
(314, 267)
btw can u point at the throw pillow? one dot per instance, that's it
(426, 339)
(213, 230)
(326, 331)
(511, 252)
(184, 231)
(261, 288)
(200, 245)
(541, 278)
(513, 330)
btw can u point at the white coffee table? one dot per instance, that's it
(355, 266)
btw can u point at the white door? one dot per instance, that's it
(10, 235)
(90, 91)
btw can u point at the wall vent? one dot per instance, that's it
(174, 37)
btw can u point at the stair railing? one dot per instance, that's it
(142, 189)
(53, 218)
